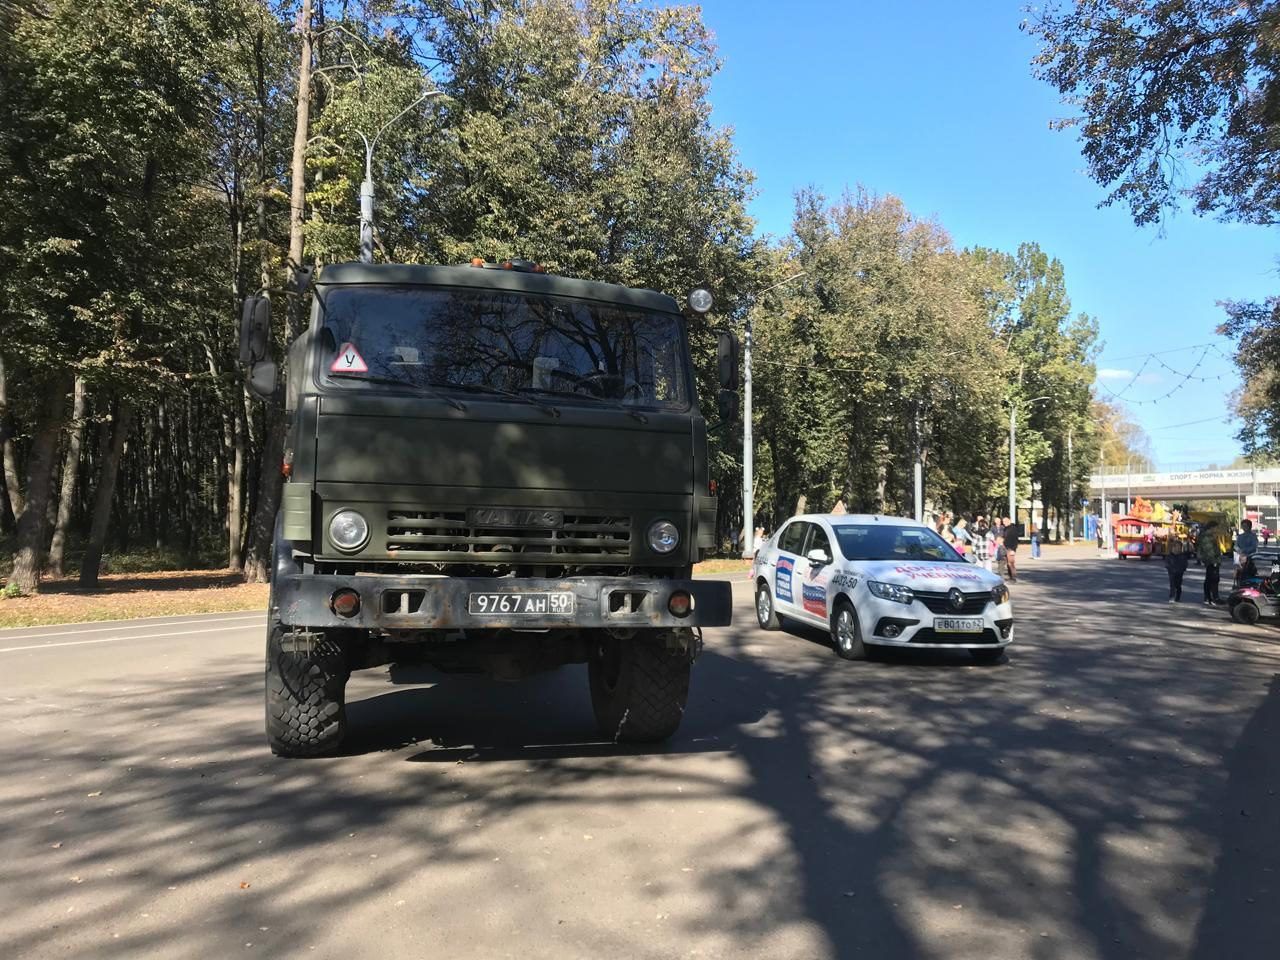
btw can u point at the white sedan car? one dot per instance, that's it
(880, 581)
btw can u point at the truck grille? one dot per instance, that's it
(449, 536)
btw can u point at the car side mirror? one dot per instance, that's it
(818, 557)
(727, 406)
(727, 360)
(262, 379)
(255, 329)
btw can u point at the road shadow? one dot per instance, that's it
(1069, 803)
(1242, 917)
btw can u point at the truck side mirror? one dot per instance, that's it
(727, 360)
(727, 406)
(262, 379)
(255, 329)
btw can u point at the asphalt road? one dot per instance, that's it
(1111, 791)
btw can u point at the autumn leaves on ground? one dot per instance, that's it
(124, 596)
(128, 595)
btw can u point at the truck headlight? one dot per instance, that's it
(348, 530)
(663, 536)
(891, 591)
(1000, 594)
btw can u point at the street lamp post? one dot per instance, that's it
(366, 188)
(1013, 434)
(748, 465)
(1071, 493)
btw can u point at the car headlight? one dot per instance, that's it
(348, 530)
(1000, 594)
(891, 591)
(663, 536)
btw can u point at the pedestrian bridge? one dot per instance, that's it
(1119, 484)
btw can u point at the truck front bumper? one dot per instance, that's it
(444, 603)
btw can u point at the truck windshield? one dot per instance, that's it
(475, 340)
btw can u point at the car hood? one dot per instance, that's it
(927, 574)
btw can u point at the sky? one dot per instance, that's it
(934, 102)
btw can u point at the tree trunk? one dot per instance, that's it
(104, 496)
(257, 561)
(31, 525)
(11, 476)
(298, 175)
(258, 555)
(235, 495)
(70, 472)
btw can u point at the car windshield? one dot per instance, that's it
(503, 341)
(876, 541)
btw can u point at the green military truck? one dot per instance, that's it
(489, 470)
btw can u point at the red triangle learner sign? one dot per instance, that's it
(348, 360)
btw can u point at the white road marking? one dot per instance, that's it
(176, 621)
(127, 636)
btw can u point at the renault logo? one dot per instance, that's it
(956, 599)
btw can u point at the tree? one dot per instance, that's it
(101, 129)
(881, 355)
(1164, 86)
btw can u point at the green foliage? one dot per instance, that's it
(1256, 329)
(894, 346)
(146, 144)
(1156, 82)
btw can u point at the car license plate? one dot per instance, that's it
(559, 604)
(957, 624)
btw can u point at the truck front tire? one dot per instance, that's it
(306, 685)
(639, 686)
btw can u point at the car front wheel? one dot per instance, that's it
(846, 633)
(766, 613)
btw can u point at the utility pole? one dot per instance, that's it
(1013, 447)
(1013, 481)
(748, 479)
(1128, 488)
(918, 471)
(748, 441)
(1071, 494)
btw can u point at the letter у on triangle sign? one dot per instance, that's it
(348, 359)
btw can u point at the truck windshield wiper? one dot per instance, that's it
(393, 382)
(504, 392)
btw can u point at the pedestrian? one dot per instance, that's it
(1246, 547)
(1210, 554)
(980, 527)
(1266, 536)
(1011, 549)
(1175, 562)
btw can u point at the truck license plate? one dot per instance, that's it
(557, 604)
(957, 625)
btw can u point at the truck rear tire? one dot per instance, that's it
(306, 686)
(639, 686)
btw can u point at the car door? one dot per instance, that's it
(786, 588)
(814, 579)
